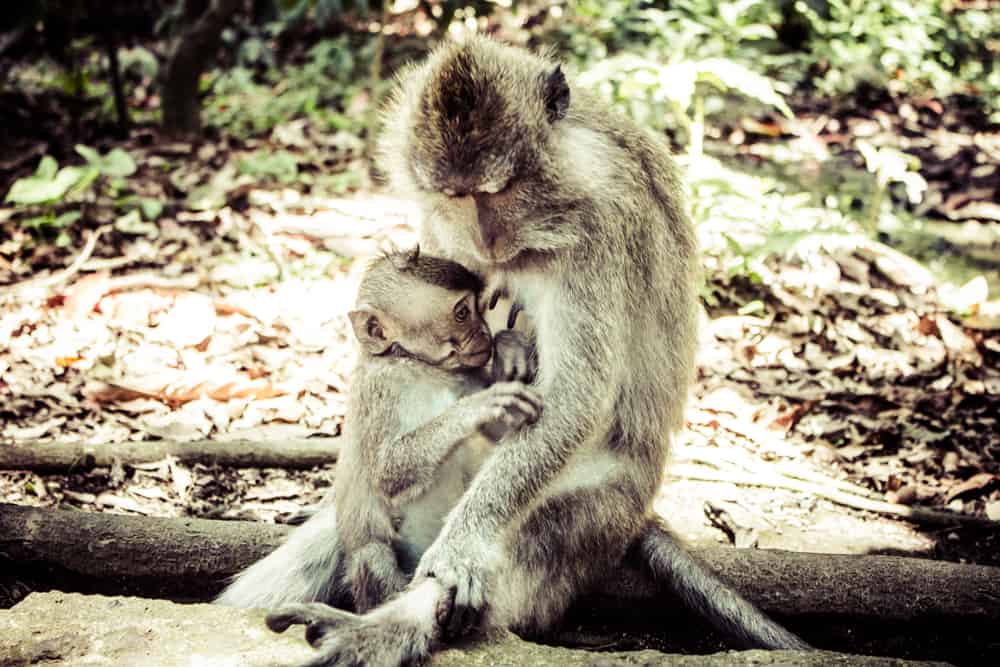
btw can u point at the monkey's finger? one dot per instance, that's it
(446, 609)
(461, 611)
(306, 614)
(527, 401)
(287, 616)
(531, 396)
(532, 369)
(471, 608)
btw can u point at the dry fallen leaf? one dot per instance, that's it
(84, 295)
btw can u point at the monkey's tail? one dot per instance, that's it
(307, 567)
(736, 617)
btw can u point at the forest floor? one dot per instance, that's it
(842, 386)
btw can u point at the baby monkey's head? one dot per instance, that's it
(424, 308)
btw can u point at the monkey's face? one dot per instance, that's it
(478, 152)
(426, 322)
(446, 329)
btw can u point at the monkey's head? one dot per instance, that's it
(473, 132)
(422, 307)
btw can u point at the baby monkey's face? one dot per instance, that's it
(462, 334)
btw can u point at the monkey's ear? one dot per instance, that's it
(556, 94)
(368, 329)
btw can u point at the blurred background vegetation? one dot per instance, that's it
(795, 119)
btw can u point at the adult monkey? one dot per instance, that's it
(578, 213)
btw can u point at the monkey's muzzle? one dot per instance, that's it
(477, 352)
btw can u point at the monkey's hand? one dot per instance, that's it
(514, 357)
(461, 567)
(504, 407)
(374, 575)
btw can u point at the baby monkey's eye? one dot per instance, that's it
(461, 312)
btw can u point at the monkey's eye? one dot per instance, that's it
(461, 312)
(375, 329)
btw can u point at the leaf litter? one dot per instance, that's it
(229, 322)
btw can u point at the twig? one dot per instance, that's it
(723, 457)
(64, 275)
(187, 281)
(915, 514)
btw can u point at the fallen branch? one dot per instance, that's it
(915, 514)
(61, 456)
(60, 276)
(191, 557)
(875, 603)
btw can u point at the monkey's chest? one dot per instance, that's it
(421, 520)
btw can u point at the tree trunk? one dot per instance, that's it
(117, 86)
(193, 48)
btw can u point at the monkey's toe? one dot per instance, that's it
(316, 616)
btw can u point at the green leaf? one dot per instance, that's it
(39, 189)
(151, 208)
(63, 240)
(89, 154)
(47, 167)
(86, 177)
(66, 219)
(116, 163)
(743, 79)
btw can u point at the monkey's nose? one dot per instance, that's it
(489, 231)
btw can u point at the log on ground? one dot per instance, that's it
(50, 456)
(924, 608)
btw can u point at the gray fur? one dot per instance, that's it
(577, 212)
(415, 435)
(307, 567)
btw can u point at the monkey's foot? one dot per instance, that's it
(343, 639)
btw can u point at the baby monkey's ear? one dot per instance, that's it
(369, 329)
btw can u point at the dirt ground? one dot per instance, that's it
(851, 398)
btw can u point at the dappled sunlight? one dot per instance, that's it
(181, 241)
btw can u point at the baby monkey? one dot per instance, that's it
(424, 412)
(422, 419)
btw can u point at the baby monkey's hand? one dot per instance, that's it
(514, 358)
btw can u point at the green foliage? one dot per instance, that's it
(668, 67)
(243, 104)
(50, 184)
(280, 166)
(832, 45)
(902, 45)
(743, 219)
(47, 184)
(889, 166)
(52, 188)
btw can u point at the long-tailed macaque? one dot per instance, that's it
(579, 213)
(419, 423)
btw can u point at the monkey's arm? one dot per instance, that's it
(404, 467)
(581, 355)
